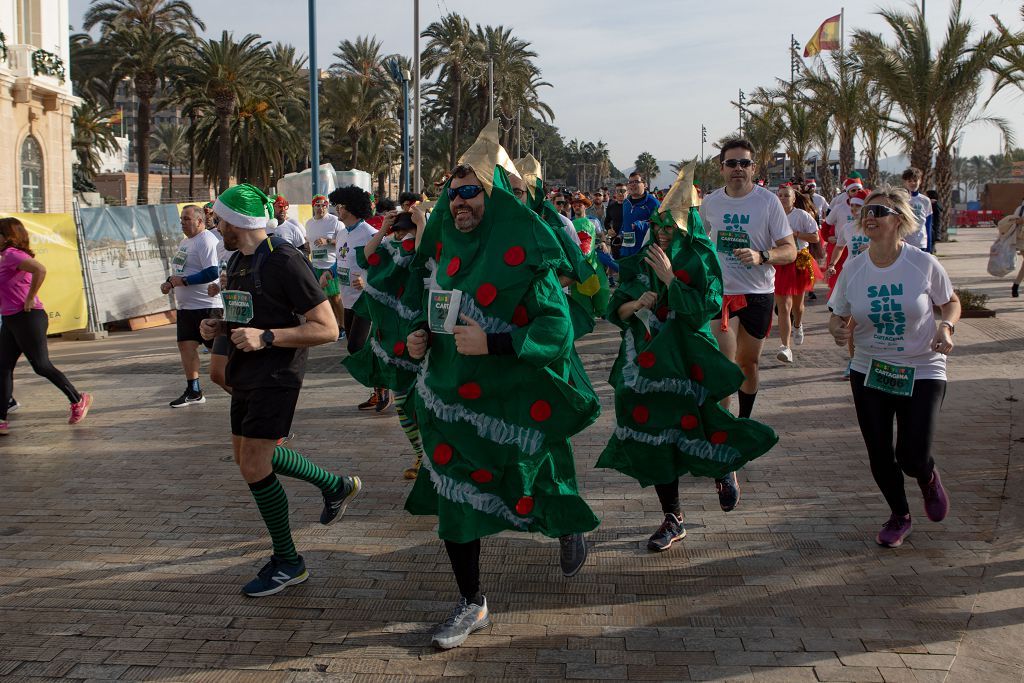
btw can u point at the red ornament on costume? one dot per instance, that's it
(641, 414)
(515, 256)
(481, 476)
(683, 276)
(646, 359)
(697, 372)
(486, 294)
(519, 316)
(373, 259)
(689, 422)
(524, 506)
(719, 438)
(453, 265)
(470, 391)
(398, 349)
(662, 313)
(442, 454)
(437, 252)
(408, 244)
(540, 410)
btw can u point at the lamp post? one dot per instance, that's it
(389, 150)
(314, 104)
(401, 76)
(417, 181)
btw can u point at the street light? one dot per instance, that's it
(389, 150)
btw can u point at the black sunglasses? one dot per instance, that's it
(466, 191)
(879, 211)
(559, 203)
(742, 163)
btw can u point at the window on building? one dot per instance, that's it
(29, 22)
(32, 198)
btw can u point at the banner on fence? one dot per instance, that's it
(128, 252)
(53, 238)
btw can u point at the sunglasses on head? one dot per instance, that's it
(742, 163)
(879, 211)
(465, 191)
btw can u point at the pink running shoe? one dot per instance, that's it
(936, 500)
(894, 531)
(80, 410)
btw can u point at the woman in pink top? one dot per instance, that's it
(25, 321)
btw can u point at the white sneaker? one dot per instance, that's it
(798, 335)
(784, 354)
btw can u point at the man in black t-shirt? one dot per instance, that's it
(275, 310)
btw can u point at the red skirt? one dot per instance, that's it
(797, 277)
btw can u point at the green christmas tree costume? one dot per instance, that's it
(496, 429)
(392, 307)
(668, 380)
(591, 295)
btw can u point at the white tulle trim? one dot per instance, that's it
(383, 354)
(390, 301)
(395, 251)
(632, 379)
(430, 282)
(726, 455)
(491, 428)
(464, 492)
(644, 280)
(490, 325)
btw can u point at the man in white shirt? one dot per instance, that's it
(353, 206)
(194, 266)
(820, 203)
(322, 235)
(751, 234)
(287, 228)
(922, 208)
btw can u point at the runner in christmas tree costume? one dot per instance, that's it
(592, 295)
(494, 401)
(391, 305)
(669, 374)
(580, 268)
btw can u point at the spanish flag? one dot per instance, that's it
(116, 118)
(825, 38)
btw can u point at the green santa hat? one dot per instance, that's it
(244, 206)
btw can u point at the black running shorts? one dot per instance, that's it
(756, 316)
(264, 413)
(188, 323)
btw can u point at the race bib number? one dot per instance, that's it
(237, 306)
(321, 253)
(178, 262)
(728, 240)
(443, 313)
(897, 380)
(344, 277)
(629, 239)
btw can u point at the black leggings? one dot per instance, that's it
(915, 422)
(25, 333)
(356, 330)
(668, 495)
(465, 559)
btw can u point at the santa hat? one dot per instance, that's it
(279, 200)
(810, 183)
(244, 206)
(319, 198)
(854, 181)
(859, 198)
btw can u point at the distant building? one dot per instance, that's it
(35, 107)
(126, 102)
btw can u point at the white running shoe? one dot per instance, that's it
(798, 335)
(784, 354)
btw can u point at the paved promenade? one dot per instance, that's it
(124, 541)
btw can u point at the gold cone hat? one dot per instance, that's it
(487, 153)
(530, 171)
(681, 196)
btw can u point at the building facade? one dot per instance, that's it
(36, 106)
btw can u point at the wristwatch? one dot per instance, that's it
(268, 338)
(766, 257)
(946, 323)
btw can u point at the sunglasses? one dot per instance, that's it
(559, 203)
(879, 211)
(742, 163)
(465, 191)
(519, 193)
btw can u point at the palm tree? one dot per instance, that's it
(93, 135)
(143, 39)
(823, 137)
(226, 71)
(171, 146)
(875, 130)
(836, 89)
(450, 50)
(647, 166)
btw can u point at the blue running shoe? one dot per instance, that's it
(728, 488)
(335, 505)
(275, 576)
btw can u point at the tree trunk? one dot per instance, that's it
(944, 187)
(846, 155)
(145, 87)
(456, 114)
(170, 183)
(380, 185)
(354, 141)
(191, 156)
(223, 150)
(921, 157)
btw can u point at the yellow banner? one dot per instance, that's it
(53, 238)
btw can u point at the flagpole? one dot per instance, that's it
(842, 29)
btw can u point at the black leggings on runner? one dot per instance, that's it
(25, 333)
(915, 418)
(668, 495)
(356, 330)
(465, 559)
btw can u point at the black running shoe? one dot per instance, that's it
(275, 576)
(728, 488)
(334, 505)
(189, 398)
(670, 531)
(573, 554)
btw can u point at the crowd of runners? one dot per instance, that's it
(463, 319)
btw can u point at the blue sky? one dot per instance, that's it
(641, 77)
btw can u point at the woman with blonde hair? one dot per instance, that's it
(25, 322)
(888, 297)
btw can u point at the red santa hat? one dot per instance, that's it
(852, 183)
(858, 198)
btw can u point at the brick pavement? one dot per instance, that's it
(124, 541)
